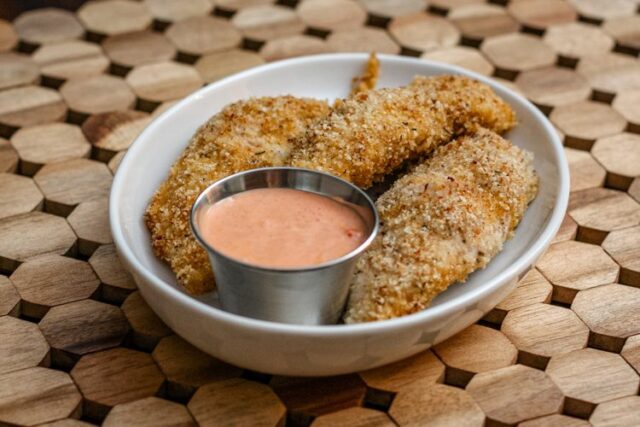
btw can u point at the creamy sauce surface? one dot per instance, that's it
(282, 227)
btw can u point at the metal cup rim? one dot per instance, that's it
(328, 264)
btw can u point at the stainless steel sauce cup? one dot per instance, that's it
(309, 296)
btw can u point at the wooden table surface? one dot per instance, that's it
(78, 344)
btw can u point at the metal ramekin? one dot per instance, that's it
(310, 296)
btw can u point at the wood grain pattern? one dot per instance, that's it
(479, 21)
(568, 230)
(8, 36)
(575, 266)
(163, 81)
(426, 404)
(611, 313)
(82, 327)
(37, 395)
(537, 15)
(138, 48)
(97, 94)
(8, 157)
(72, 59)
(90, 221)
(49, 25)
(331, 15)
(626, 31)
(631, 352)
(30, 105)
(364, 39)
(585, 121)
(150, 411)
(66, 184)
(475, 349)
(387, 9)
(585, 171)
(462, 56)
(215, 66)
(620, 155)
(67, 422)
(237, 401)
(424, 366)
(115, 161)
(200, 35)
(147, 328)
(17, 70)
(532, 288)
(617, 413)
(114, 16)
(177, 10)
(514, 53)
(9, 298)
(598, 211)
(556, 420)
(627, 103)
(22, 345)
(597, 11)
(540, 331)
(187, 368)
(48, 143)
(553, 86)
(288, 47)
(267, 22)
(111, 377)
(503, 398)
(50, 280)
(47, 234)
(354, 417)
(589, 376)
(18, 194)
(422, 32)
(575, 40)
(114, 131)
(610, 73)
(117, 283)
(622, 245)
(307, 398)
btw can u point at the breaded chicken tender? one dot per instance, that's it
(440, 222)
(370, 134)
(244, 135)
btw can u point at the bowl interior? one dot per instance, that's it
(325, 77)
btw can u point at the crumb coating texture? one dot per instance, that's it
(368, 135)
(244, 135)
(440, 222)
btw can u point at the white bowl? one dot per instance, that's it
(323, 350)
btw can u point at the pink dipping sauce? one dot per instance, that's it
(282, 227)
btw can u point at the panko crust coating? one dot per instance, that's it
(370, 134)
(244, 135)
(440, 222)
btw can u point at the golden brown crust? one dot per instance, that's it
(440, 222)
(367, 81)
(370, 134)
(244, 135)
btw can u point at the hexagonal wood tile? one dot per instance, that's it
(503, 398)
(50, 280)
(588, 377)
(540, 331)
(611, 313)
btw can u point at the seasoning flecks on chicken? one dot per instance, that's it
(244, 135)
(370, 134)
(440, 222)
